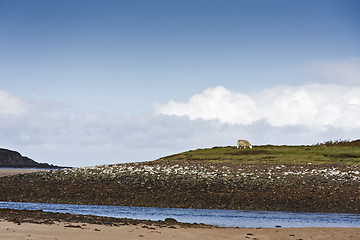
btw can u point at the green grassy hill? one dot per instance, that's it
(329, 152)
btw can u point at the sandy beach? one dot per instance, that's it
(79, 231)
(37, 225)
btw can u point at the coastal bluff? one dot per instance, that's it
(13, 159)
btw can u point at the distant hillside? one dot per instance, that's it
(14, 159)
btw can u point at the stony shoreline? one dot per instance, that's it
(195, 184)
(41, 217)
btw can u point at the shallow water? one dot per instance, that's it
(223, 218)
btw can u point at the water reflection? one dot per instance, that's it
(223, 218)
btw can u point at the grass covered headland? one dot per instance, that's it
(328, 152)
(320, 178)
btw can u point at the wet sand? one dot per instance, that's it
(79, 231)
(36, 225)
(14, 171)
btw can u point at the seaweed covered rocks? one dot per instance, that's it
(195, 184)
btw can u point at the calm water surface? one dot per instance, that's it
(223, 218)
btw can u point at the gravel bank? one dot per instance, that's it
(309, 188)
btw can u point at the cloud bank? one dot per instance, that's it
(51, 132)
(316, 106)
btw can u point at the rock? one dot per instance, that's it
(171, 220)
(73, 226)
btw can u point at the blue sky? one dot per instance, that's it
(92, 79)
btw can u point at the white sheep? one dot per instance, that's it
(243, 144)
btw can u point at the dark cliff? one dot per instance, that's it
(14, 159)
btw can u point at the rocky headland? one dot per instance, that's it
(13, 159)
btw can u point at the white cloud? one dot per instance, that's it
(11, 105)
(317, 106)
(342, 71)
(214, 103)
